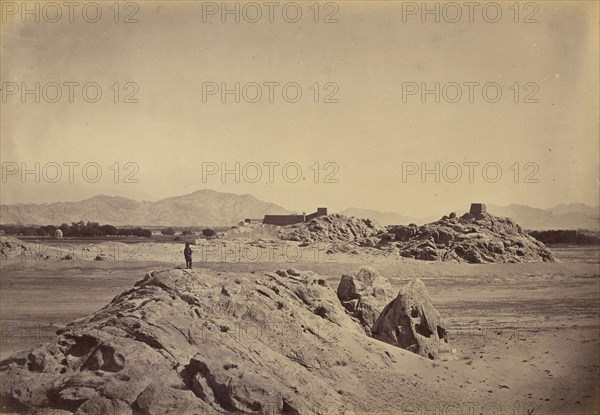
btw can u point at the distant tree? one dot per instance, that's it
(573, 237)
(75, 229)
(66, 229)
(90, 229)
(141, 232)
(125, 232)
(186, 232)
(108, 230)
(28, 231)
(10, 229)
(208, 232)
(168, 231)
(49, 230)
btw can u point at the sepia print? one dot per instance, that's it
(300, 207)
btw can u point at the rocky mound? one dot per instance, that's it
(195, 341)
(365, 295)
(412, 323)
(474, 238)
(331, 228)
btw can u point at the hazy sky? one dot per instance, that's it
(374, 52)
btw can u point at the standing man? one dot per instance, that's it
(187, 253)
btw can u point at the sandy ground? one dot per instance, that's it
(527, 336)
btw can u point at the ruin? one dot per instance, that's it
(477, 208)
(283, 220)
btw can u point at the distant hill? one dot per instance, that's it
(572, 216)
(203, 207)
(575, 208)
(211, 208)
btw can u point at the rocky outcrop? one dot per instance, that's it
(185, 342)
(201, 342)
(472, 238)
(331, 228)
(364, 295)
(411, 322)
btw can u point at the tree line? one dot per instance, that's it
(75, 229)
(171, 231)
(91, 229)
(571, 237)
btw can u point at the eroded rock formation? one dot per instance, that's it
(201, 342)
(331, 228)
(472, 238)
(411, 322)
(364, 295)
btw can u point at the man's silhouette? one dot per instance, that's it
(187, 253)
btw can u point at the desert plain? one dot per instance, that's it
(523, 337)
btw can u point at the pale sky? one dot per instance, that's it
(369, 55)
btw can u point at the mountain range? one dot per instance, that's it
(211, 208)
(201, 208)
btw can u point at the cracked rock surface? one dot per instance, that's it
(411, 322)
(200, 341)
(364, 295)
(472, 238)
